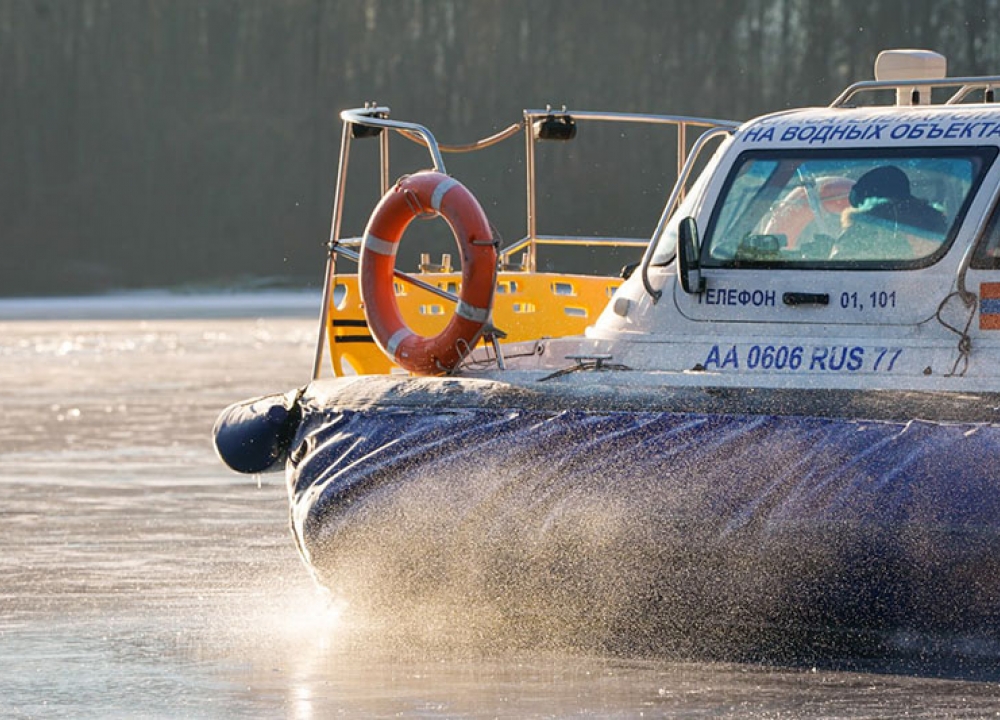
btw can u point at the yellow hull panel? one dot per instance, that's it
(526, 306)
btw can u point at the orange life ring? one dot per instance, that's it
(414, 195)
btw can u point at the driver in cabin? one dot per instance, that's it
(886, 222)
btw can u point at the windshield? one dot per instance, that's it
(843, 209)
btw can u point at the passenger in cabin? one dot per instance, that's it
(886, 222)
(795, 215)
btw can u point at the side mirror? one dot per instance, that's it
(688, 270)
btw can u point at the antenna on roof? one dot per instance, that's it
(893, 65)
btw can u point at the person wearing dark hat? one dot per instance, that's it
(884, 216)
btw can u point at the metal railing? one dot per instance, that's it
(373, 120)
(965, 85)
(532, 239)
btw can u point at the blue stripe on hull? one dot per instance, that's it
(989, 306)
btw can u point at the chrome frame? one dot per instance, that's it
(532, 239)
(369, 116)
(676, 195)
(965, 86)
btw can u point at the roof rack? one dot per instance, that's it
(964, 85)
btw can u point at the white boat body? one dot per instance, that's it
(883, 328)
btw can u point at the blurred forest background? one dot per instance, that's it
(193, 143)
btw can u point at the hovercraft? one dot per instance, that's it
(778, 431)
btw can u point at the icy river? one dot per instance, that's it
(142, 579)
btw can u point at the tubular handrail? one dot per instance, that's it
(376, 116)
(570, 241)
(368, 117)
(965, 85)
(485, 142)
(682, 122)
(335, 224)
(960, 95)
(577, 240)
(966, 262)
(649, 119)
(405, 277)
(674, 198)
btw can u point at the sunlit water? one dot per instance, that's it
(140, 578)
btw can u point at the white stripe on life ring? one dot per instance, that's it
(471, 312)
(380, 246)
(397, 337)
(438, 195)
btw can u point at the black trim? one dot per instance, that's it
(980, 260)
(348, 323)
(353, 338)
(805, 298)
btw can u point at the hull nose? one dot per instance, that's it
(724, 534)
(254, 436)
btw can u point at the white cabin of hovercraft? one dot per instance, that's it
(844, 246)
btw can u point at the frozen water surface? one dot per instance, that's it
(143, 579)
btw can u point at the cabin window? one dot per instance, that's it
(987, 255)
(844, 209)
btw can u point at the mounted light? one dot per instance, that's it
(899, 65)
(555, 127)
